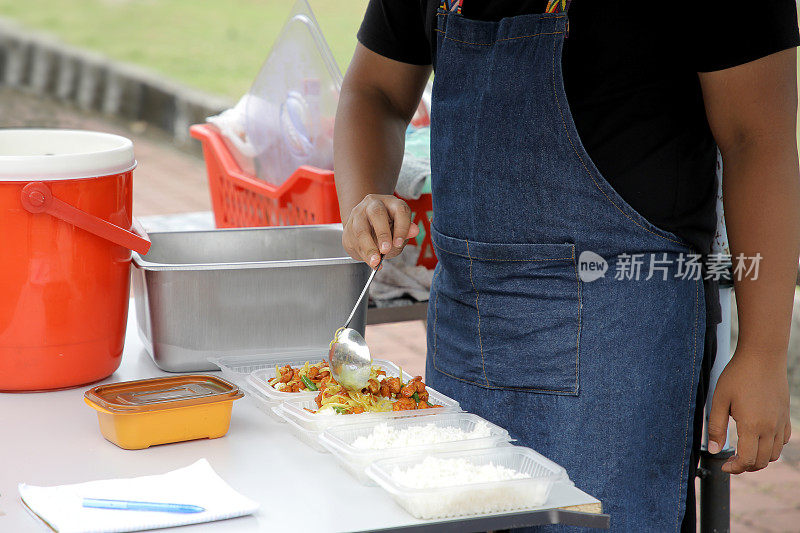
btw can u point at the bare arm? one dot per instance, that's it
(378, 99)
(752, 110)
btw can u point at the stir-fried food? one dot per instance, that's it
(305, 379)
(382, 393)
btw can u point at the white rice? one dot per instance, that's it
(434, 473)
(461, 489)
(384, 436)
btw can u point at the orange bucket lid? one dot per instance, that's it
(155, 394)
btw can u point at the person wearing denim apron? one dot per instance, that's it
(577, 309)
(556, 311)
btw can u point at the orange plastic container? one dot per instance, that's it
(65, 214)
(139, 414)
(307, 197)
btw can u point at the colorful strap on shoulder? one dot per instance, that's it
(553, 6)
(557, 6)
(451, 6)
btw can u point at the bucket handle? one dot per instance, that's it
(37, 198)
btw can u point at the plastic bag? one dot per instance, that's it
(290, 109)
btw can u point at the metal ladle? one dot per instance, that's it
(349, 358)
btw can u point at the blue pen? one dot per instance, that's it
(142, 506)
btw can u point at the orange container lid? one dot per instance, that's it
(146, 395)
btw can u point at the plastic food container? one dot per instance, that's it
(529, 492)
(308, 426)
(237, 370)
(139, 414)
(270, 397)
(339, 440)
(306, 436)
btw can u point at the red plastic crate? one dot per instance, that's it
(307, 197)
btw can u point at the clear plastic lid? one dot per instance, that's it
(259, 378)
(357, 445)
(448, 491)
(314, 422)
(237, 368)
(154, 394)
(291, 106)
(465, 426)
(525, 461)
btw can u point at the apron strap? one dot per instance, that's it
(451, 6)
(553, 6)
(557, 6)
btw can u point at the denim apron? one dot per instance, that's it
(598, 374)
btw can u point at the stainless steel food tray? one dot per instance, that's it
(243, 292)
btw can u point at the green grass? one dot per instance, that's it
(217, 46)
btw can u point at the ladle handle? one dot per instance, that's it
(366, 287)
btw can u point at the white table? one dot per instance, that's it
(53, 438)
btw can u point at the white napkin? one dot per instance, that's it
(196, 484)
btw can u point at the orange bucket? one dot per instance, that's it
(65, 214)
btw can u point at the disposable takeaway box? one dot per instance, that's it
(531, 490)
(341, 440)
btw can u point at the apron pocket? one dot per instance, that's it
(507, 316)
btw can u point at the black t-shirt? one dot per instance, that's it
(630, 73)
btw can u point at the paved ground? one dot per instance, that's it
(172, 181)
(166, 180)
